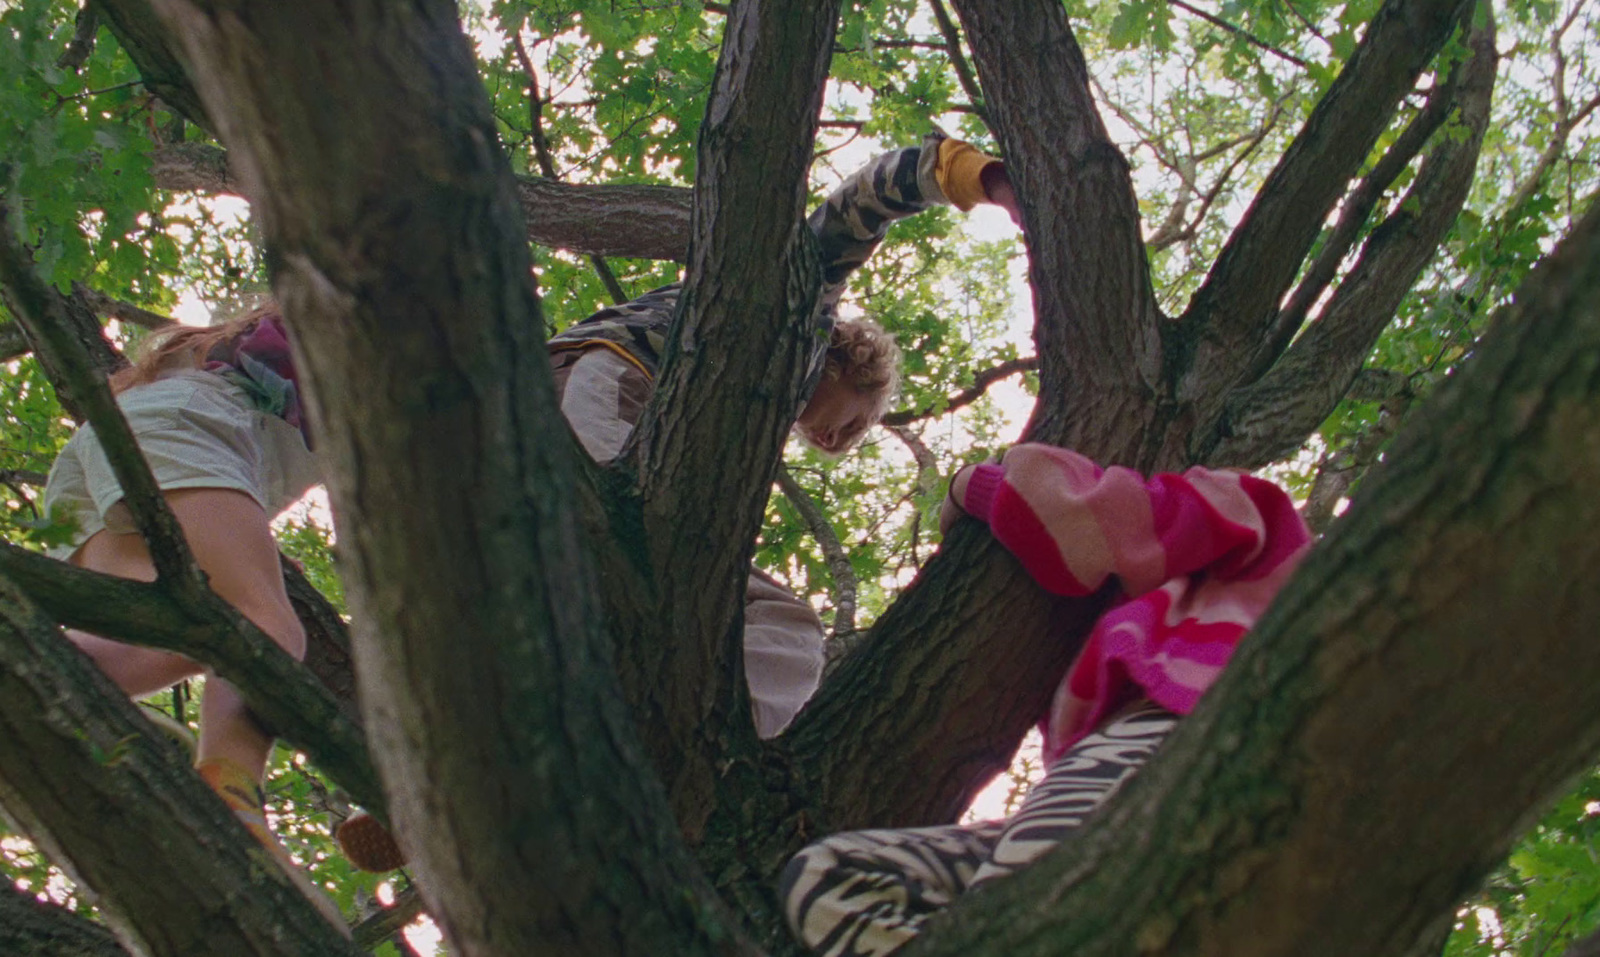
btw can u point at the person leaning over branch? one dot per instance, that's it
(605, 368)
(217, 415)
(1196, 557)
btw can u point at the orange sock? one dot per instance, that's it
(368, 845)
(241, 792)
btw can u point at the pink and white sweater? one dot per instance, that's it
(1197, 556)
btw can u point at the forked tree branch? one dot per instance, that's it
(1226, 316)
(1271, 417)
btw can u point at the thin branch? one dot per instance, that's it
(388, 922)
(1240, 32)
(958, 59)
(981, 382)
(121, 311)
(23, 477)
(844, 576)
(547, 163)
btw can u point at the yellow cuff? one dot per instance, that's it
(960, 173)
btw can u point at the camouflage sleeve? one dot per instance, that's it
(853, 221)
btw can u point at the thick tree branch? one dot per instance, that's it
(486, 676)
(279, 690)
(82, 44)
(1227, 315)
(729, 388)
(981, 382)
(1382, 676)
(32, 928)
(647, 222)
(1267, 420)
(1095, 311)
(77, 763)
(547, 163)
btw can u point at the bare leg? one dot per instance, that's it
(232, 541)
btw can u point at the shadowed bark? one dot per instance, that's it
(650, 222)
(1376, 722)
(116, 805)
(478, 641)
(32, 928)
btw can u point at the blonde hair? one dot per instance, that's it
(184, 347)
(865, 356)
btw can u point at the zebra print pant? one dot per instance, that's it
(866, 893)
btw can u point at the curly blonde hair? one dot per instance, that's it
(865, 356)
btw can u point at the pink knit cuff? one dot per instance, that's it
(982, 487)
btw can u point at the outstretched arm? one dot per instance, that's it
(1073, 524)
(940, 171)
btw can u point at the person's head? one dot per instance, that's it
(184, 347)
(859, 377)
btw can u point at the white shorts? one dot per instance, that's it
(197, 430)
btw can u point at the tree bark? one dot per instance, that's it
(728, 393)
(1095, 317)
(1376, 722)
(648, 222)
(116, 805)
(32, 928)
(486, 678)
(1226, 316)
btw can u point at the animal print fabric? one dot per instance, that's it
(867, 893)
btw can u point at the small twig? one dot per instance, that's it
(389, 921)
(844, 576)
(82, 44)
(980, 384)
(1241, 32)
(958, 60)
(547, 163)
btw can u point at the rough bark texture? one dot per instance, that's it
(32, 928)
(1368, 755)
(1264, 254)
(115, 803)
(1269, 419)
(1095, 317)
(729, 390)
(486, 678)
